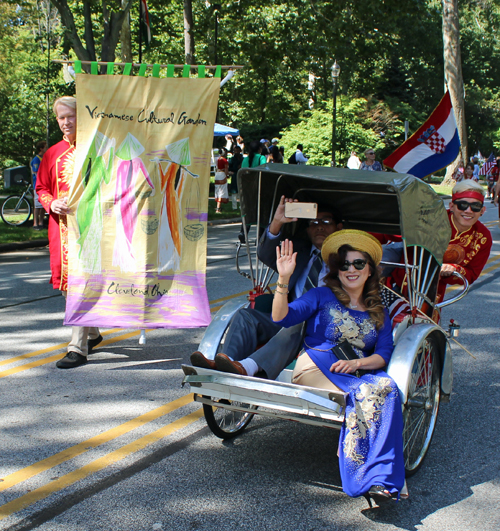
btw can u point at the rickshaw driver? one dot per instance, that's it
(470, 244)
(249, 327)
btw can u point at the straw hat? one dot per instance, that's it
(357, 239)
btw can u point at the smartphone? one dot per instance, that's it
(301, 210)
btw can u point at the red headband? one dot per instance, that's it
(471, 194)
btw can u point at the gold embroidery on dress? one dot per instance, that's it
(349, 329)
(369, 399)
(67, 167)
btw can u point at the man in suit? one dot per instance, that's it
(249, 327)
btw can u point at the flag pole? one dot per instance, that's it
(140, 31)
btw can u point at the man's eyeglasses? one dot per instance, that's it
(370, 153)
(317, 222)
(464, 205)
(358, 264)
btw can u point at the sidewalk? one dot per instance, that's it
(17, 246)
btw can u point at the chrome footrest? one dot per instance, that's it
(283, 400)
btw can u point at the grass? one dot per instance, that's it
(226, 208)
(442, 190)
(24, 233)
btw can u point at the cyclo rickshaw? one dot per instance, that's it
(421, 364)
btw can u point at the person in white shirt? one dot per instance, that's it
(300, 158)
(353, 163)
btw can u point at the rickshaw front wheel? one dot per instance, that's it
(422, 405)
(226, 423)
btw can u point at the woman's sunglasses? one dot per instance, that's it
(358, 264)
(464, 205)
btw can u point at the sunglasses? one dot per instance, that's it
(370, 153)
(464, 205)
(358, 264)
(317, 222)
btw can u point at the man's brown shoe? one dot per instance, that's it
(225, 364)
(199, 360)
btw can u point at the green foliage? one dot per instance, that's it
(360, 122)
(25, 83)
(390, 54)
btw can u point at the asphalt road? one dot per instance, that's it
(118, 445)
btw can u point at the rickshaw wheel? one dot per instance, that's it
(422, 405)
(225, 423)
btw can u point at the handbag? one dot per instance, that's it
(344, 351)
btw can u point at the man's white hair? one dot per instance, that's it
(69, 101)
(466, 185)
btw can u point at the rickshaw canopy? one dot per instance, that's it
(381, 202)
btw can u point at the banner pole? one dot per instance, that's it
(211, 67)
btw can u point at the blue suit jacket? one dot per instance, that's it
(267, 254)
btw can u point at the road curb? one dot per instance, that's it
(223, 221)
(17, 246)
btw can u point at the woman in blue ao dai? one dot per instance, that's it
(349, 309)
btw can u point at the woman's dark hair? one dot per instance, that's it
(223, 152)
(254, 148)
(371, 290)
(276, 154)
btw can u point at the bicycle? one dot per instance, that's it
(17, 209)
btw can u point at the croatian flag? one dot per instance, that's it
(435, 145)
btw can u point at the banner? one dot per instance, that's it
(138, 201)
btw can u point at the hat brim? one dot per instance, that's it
(357, 239)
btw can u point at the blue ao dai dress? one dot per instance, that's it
(371, 439)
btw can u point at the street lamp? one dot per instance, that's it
(335, 75)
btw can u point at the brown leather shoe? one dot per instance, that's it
(225, 364)
(199, 360)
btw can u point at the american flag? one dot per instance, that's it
(488, 165)
(397, 307)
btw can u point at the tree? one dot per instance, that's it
(112, 23)
(454, 78)
(188, 33)
(125, 37)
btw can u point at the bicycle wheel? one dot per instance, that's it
(225, 423)
(16, 210)
(422, 405)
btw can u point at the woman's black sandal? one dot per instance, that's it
(378, 494)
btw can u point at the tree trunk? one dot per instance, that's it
(112, 23)
(454, 79)
(125, 38)
(188, 33)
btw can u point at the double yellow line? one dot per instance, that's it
(98, 464)
(116, 339)
(70, 478)
(491, 260)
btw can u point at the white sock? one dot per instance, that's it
(250, 366)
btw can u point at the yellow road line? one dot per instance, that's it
(57, 357)
(49, 349)
(107, 342)
(483, 272)
(229, 297)
(80, 448)
(493, 259)
(103, 462)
